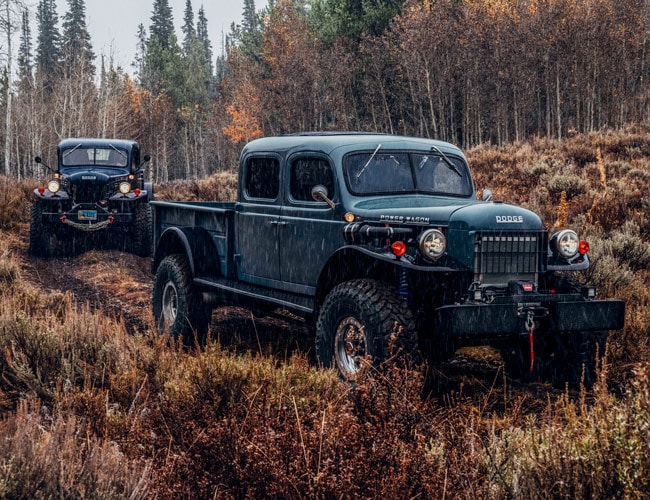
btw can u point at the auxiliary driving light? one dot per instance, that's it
(432, 244)
(125, 187)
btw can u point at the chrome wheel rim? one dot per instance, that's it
(169, 304)
(350, 346)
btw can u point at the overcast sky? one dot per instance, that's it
(113, 24)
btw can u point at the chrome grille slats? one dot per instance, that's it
(501, 256)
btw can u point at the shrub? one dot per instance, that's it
(49, 455)
(571, 184)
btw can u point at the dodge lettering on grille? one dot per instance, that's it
(510, 219)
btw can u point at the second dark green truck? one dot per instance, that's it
(379, 243)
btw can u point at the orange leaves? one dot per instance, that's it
(244, 125)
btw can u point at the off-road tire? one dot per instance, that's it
(39, 235)
(142, 230)
(177, 309)
(364, 320)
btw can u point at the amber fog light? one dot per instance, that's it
(399, 248)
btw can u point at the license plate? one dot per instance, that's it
(87, 214)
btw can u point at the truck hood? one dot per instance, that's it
(457, 214)
(92, 174)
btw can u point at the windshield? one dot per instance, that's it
(378, 172)
(108, 156)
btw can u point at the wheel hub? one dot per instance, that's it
(169, 304)
(350, 346)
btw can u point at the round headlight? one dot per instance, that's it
(432, 244)
(53, 186)
(125, 187)
(567, 243)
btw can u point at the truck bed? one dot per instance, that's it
(211, 218)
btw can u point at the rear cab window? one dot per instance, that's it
(262, 178)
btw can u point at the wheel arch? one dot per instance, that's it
(350, 263)
(194, 243)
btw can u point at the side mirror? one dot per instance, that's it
(319, 193)
(145, 159)
(487, 195)
(40, 161)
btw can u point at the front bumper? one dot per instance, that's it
(92, 217)
(553, 314)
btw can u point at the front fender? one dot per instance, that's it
(47, 195)
(353, 262)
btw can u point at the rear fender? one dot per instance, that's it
(195, 243)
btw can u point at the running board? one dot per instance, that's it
(242, 294)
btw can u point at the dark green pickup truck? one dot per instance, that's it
(379, 243)
(96, 188)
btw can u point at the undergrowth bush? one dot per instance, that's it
(15, 200)
(45, 454)
(579, 450)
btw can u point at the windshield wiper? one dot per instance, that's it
(70, 151)
(369, 160)
(447, 160)
(122, 153)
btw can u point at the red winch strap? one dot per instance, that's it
(532, 349)
(530, 324)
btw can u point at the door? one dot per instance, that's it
(256, 221)
(310, 231)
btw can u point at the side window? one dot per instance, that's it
(307, 173)
(262, 178)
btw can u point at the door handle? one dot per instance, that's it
(277, 223)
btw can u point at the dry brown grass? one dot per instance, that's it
(221, 186)
(90, 411)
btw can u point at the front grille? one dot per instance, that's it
(504, 256)
(88, 192)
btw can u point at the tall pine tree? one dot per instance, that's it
(161, 30)
(162, 69)
(189, 33)
(77, 48)
(25, 63)
(140, 50)
(48, 42)
(204, 43)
